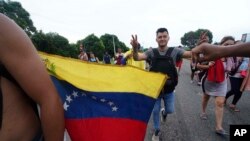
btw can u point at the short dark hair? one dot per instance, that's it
(162, 29)
(226, 38)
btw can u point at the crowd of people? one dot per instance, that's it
(220, 67)
(107, 59)
(20, 93)
(212, 74)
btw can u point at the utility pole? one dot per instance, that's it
(114, 45)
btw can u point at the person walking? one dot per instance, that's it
(240, 65)
(162, 59)
(216, 85)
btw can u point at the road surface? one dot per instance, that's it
(185, 124)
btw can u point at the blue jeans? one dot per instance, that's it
(169, 108)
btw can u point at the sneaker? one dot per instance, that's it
(221, 132)
(233, 107)
(191, 81)
(199, 83)
(203, 116)
(156, 136)
(163, 115)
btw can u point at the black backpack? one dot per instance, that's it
(165, 64)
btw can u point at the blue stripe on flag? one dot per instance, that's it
(80, 104)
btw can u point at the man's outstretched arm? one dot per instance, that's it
(206, 52)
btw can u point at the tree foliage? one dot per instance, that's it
(108, 39)
(54, 43)
(93, 44)
(191, 38)
(15, 11)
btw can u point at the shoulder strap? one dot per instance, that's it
(237, 67)
(169, 51)
(152, 61)
(156, 55)
(156, 52)
(234, 59)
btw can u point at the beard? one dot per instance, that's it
(162, 45)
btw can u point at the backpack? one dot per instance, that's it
(165, 64)
(216, 73)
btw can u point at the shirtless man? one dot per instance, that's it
(24, 83)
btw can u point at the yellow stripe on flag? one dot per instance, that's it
(104, 78)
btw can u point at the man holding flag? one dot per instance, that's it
(97, 105)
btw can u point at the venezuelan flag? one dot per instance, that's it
(104, 102)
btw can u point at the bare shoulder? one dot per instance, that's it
(20, 58)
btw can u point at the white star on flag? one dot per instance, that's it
(103, 100)
(75, 94)
(93, 97)
(114, 108)
(68, 98)
(111, 103)
(65, 106)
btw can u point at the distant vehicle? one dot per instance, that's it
(245, 37)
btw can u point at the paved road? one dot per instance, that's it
(185, 124)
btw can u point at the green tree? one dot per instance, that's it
(73, 50)
(54, 43)
(191, 38)
(93, 44)
(107, 40)
(15, 11)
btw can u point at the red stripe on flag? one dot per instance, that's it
(106, 129)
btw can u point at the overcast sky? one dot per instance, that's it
(76, 19)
